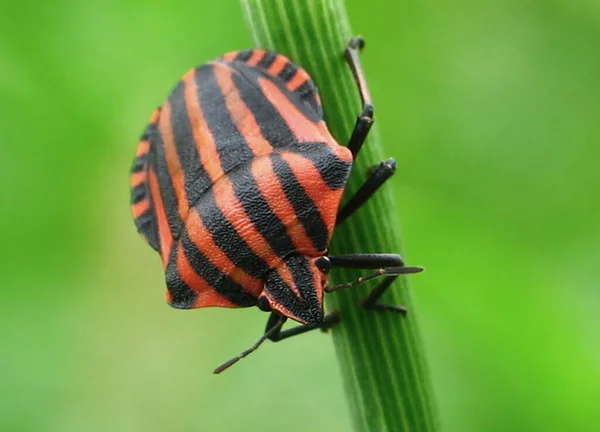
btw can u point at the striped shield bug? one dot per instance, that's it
(237, 184)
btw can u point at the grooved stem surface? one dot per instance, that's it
(380, 354)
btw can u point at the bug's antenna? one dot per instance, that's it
(390, 271)
(267, 335)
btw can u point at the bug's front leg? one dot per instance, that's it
(365, 120)
(378, 175)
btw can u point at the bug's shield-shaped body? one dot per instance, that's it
(237, 183)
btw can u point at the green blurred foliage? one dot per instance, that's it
(492, 110)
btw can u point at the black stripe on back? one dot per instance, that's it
(274, 128)
(267, 60)
(167, 192)
(256, 207)
(288, 71)
(305, 307)
(196, 177)
(139, 163)
(303, 104)
(244, 55)
(301, 273)
(146, 134)
(231, 145)
(272, 125)
(228, 239)
(334, 171)
(146, 223)
(218, 280)
(306, 88)
(307, 92)
(306, 210)
(139, 192)
(281, 292)
(182, 296)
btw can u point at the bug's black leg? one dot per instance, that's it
(366, 260)
(275, 328)
(329, 321)
(365, 119)
(390, 271)
(370, 302)
(377, 177)
(387, 265)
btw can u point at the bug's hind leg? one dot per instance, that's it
(377, 176)
(275, 328)
(370, 302)
(273, 332)
(365, 120)
(329, 320)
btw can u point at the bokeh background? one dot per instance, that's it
(493, 112)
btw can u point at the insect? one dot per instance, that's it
(237, 184)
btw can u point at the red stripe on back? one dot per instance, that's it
(299, 78)
(256, 56)
(206, 295)
(205, 144)
(138, 208)
(164, 232)
(154, 115)
(230, 56)
(203, 240)
(319, 279)
(173, 165)
(301, 127)
(323, 196)
(242, 117)
(286, 276)
(143, 148)
(317, 98)
(137, 178)
(278, 307)
(229, 205)
(278, 65)
(270, 188)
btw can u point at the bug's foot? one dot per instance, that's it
(381, 307)
(386, 167)
(330, 320)
(366, 115)
(357, 43)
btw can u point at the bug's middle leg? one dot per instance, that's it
(378, 175)
(329, 320)
(365, 120)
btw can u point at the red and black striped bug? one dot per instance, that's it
(237, 183)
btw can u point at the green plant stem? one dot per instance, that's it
(380, 354)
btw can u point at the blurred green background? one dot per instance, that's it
(493, 112)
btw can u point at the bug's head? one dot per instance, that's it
(295, 289)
